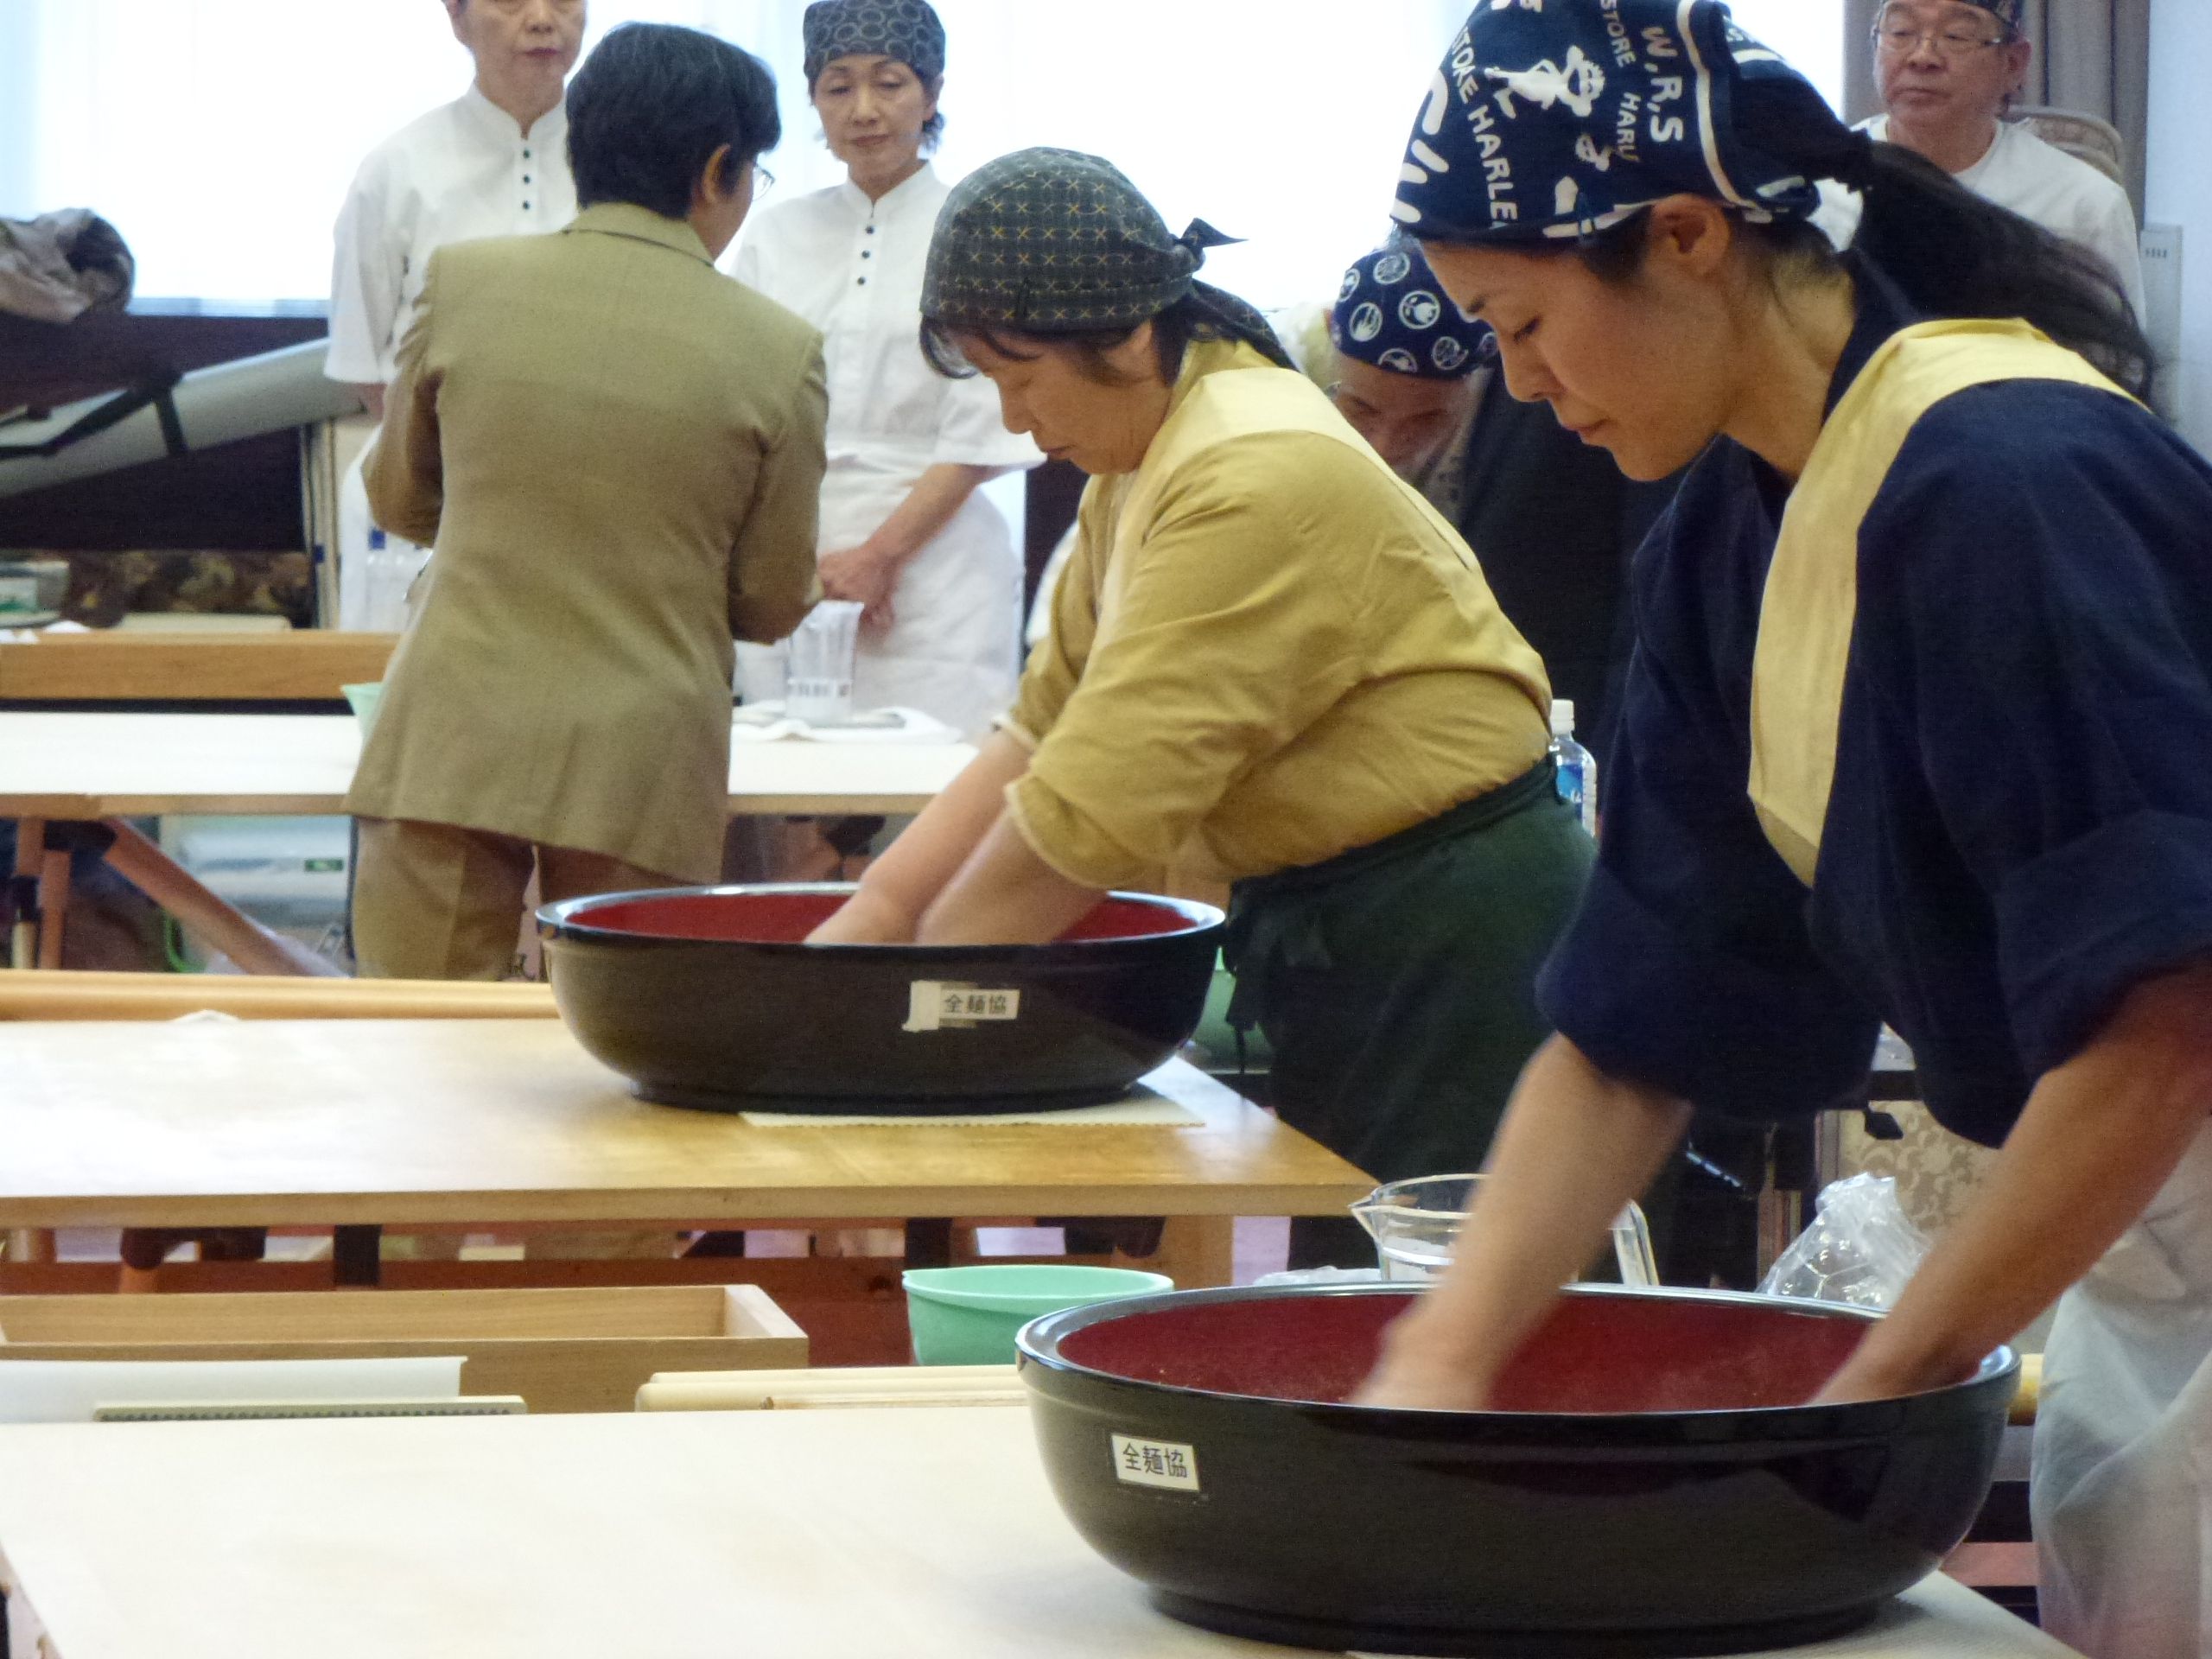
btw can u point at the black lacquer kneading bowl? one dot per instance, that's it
(710, 997)
(1651, 1483)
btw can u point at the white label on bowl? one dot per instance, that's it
(1155, 1463)
(935, 1005)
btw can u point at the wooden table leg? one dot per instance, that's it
(355, 1256)
(1196, 1251)
(245, 942)
(31, 1243)
(53, 907)
(929, 1243)
(30, 866)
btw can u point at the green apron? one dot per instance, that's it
(1397, 985)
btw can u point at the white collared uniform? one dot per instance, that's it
(2038, 180)
(464, 171)
(854, 268)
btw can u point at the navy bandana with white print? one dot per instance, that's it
(1392, 313)
(1556, 119)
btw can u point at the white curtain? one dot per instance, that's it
(220, 135)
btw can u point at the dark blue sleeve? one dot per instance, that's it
(1689, 967)
(2036, 609)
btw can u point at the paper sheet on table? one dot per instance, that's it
(67, 1390)
(766, 722)
(1145, 1106)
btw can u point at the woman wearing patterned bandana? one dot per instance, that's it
(1940, 589)
(1406, 369)
(1271, 664)
(1553, 524)
(904, 531)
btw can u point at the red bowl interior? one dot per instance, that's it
(1594, 1354)
(788, 917)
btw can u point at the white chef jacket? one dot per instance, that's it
(854, 268)
(464, 171)
(2039, 181)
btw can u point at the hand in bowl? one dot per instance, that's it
(1882, 1369)
(865, 918)
(1416, 1374)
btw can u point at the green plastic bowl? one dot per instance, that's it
(968, 1316)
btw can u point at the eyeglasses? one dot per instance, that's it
(1896, 36)
(763, 179)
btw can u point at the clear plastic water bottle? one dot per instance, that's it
(383, 605)
(1577, 767)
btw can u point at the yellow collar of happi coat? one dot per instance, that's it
(1811, 600)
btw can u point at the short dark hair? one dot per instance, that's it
(652, 105)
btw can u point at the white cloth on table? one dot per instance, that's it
(2122, 1482)
(2035, 180)
(465, 171)
(853, 267)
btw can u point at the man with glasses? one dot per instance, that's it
(1947, 71)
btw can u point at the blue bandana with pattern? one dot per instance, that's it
(1392, 313)
(1556, 119)
(908, 30)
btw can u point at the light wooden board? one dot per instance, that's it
(99, 766)
(123, 666)
(918, 1534)
(273, 1123)
(568, 1350)
(74, 993)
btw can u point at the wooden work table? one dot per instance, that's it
(113, 767)
(495, 1122)
(105, 766)
(917, 1534)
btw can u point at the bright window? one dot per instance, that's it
(220, 135)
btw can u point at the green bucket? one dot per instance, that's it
(968, 1316)
(363, 701)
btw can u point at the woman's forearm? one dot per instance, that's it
(939, 493)
(1006, 894)
(916, 868)
(2101, 1135)
(1576, 1146)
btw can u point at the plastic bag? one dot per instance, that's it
(1860, 1249)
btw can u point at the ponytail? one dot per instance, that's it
(1955, 254)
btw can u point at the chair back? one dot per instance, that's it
(2083, 136)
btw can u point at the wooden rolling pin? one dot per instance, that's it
(859, 1385)
(60, 995)
(2030, 1394)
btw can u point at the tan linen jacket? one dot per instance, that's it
(617, 451)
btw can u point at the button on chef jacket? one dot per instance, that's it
(465, 170)
(2020, 827)
(853, 267)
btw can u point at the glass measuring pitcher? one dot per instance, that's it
(1415, 1224)
(818, 680)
